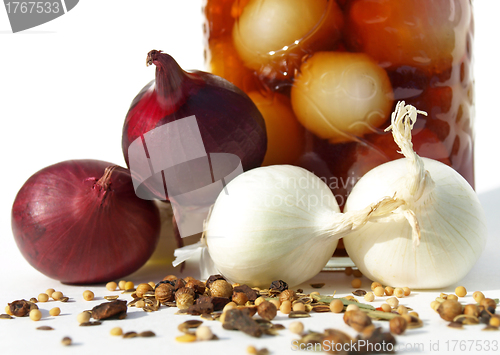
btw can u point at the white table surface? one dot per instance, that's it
(65, 88)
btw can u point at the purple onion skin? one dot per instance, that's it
(229, 121)
(77, 228)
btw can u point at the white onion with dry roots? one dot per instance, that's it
(278, 222)
(438, 248)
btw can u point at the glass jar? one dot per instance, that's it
(326, 75)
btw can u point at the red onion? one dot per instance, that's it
(228, 120)
(80, 222)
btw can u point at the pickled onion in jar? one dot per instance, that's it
(339, 95)
(225, 62)
(285, 135)
(423, 34)
(272, 36)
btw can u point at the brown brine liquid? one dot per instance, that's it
(327, 74)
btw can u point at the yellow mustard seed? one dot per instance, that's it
(352, 307)
(357, 273)
(35, 315)
(389, 291)
(407, 291)
(121, 285)
(402, 309)
(88, 295)
(286, 307)
(259, 300)
(369, 297)
(116, 331)
(349, 297)
(252, 350)
(111, 286)
(356, 283)
(129, 285)
(43, 297)
(393, 302)
(298, 307)
(336, 306)
(83, 317)
(385, 307)
(57, 295)
(54, 312)
(452, 297)
(375, 284)
(348, 271)
(50, 291)
(478, 296)
(435, 305)
(276, 302)
(460, 291)
(495, 321)
(414, 314)
(296, 327)
(398, 292)
(228, 306)
(379, 291)
(204, 333)
(7, 310)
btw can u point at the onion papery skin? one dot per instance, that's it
(75, 230)
(228, 120)
(384, 250)
(253, 242)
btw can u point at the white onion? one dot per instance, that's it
(450, 219)
(277, 223)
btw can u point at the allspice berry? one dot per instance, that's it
(449, 309)
(267, 310)
(397, 325)
(221, 288)
(164, 293)
(142, 289)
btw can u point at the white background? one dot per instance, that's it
(65, 88)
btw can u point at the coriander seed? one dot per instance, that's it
(116, 331)
(385, 307)
(356, 283)
(398, 292)
(298, 307)
(478, 296)
(296, 327)
(111, 286)
(407, 291)
(43, 297)
(397, 325)
(288, 294)
(393, 302)
(221, 288)
(50, 291)
(204, 333)
(389, 291)
(240, 298)
(286, 307)
(379, 291)
(88, 295)
(369, 297)
(83, 317)
(336, 306)
(142, 289)
(35, 315)
(54, 312)
(165, 293)
(460, 291)
(352, 307)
